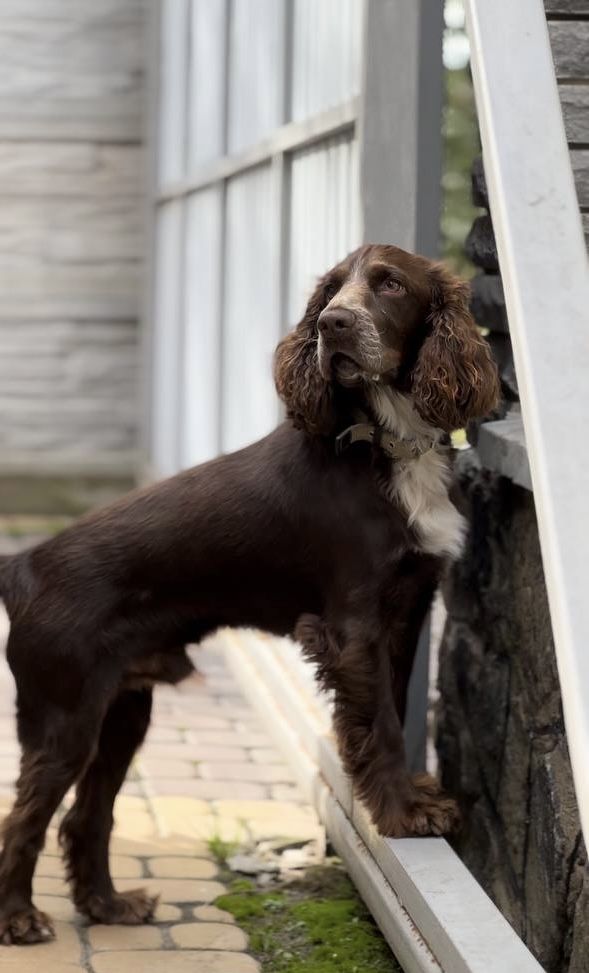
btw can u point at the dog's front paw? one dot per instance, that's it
(121, 908)
(25, 926)
(424, 810)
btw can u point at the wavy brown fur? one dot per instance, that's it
(455, 378)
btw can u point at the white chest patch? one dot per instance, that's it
(420, 486)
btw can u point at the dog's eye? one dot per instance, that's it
(392, 286)
(330, 291)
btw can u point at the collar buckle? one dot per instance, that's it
(394, 449)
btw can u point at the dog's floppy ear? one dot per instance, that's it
(308, 397)
(455, 378)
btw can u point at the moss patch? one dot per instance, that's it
(315, 925)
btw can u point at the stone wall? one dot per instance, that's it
(71, 238)
(501, 737)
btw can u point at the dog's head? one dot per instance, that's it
(384, 315)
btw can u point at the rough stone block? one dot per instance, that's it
(480, 244)
(487, 302)
(480, 196)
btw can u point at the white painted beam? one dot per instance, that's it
(546, 281)
(287, 138)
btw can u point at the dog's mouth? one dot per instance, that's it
(344, 368)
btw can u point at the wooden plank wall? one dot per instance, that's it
(568, 25)
(71, 240)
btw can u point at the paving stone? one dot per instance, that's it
(164, 734)
(161, 767)
(49, 886)
(196, 721)
(167, 913)
(263, 809)
(292, 828)
(233, 737)
(178, 889)
(286, 792)
(64, 953)
(134, 824)
(125, 937)
(265, 755)
(208, 935)
(57, 906)
(257, 773)
(159, 845)
(49, 866)
(167, 961)
(194, 751)
(211, 790)
(14, 962)
(124, 866)
(179, 808)
(51, 843)
(210, 913)
(9, 766)
(182, 868)
(128, 804)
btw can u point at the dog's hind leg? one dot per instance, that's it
(56, 746)
(85, 831)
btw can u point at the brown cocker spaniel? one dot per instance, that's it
(334, 528)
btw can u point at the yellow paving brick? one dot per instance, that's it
(159, 845)
(210, 913)
(293, 828)
(178, 889)
(167, 913)
(13, 961)
(180, 807)
(125, 937)
(127, 802)
(56, 906)
(137, 824)
(208, 935)
(51, 843)
(62, 955)
(50, 866)
(50, 886)
(124, 866)
(182, 868)
(189, 818)
(261, 809)
(167, 961)
(162, 767)
(269, 819)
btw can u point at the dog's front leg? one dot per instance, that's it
(369, 733)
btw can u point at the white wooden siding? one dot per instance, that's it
(71, 233)
(168, 321)
(325, 215)
(173, 67)
(71, 69)
(326, 54)
(251, 325)
(256, 70)
(207, 80)
(202, 347)
(269, 201)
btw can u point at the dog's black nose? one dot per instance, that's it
(334, 320)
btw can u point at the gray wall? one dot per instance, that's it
(71, 242)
